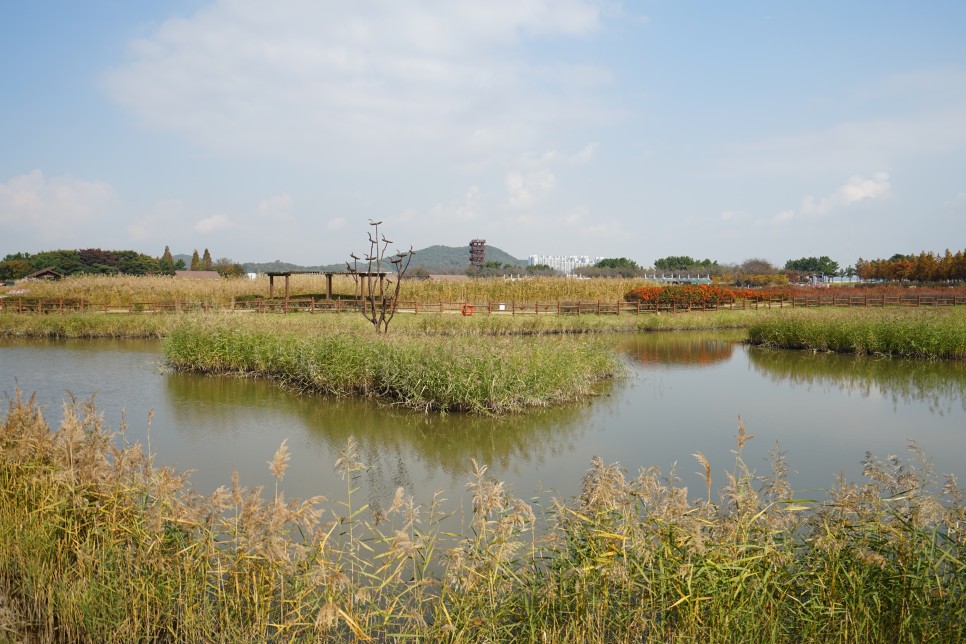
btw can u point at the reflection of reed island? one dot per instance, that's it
(399, 447)
(672, 349)
(941, 384)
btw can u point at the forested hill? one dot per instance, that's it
(432, 258)
(448, 257)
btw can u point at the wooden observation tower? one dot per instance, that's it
(478, 252)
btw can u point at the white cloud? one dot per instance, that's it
(856, 189)
(302, 76)
(337, 223)
(278, 207)
(215, 222)
(524, 190)
(781, 218)
(166, 216)
(586, 224)
(733, 216)
(470, 208)
(857, 143)
(581, 157)
(56, 208)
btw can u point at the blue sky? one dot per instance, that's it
(276, 130)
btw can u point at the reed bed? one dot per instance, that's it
(138, 325)
(929, 334)
(431, 374)
(86, 325)
(531, 289)
(573, 324)
(98, 543)
(122, 290)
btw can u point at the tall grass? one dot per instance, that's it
(125, 290)
(532, 289)
(902, 333)
(138, 325)
(122, 290)
(98, 543)
(451, 374)
(86, 325)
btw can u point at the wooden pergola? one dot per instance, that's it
(328, 280)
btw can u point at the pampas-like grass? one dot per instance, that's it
(98, 543)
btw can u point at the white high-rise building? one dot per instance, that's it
(563, 263)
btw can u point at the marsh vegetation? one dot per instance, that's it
(100, 542)
(900, 333)
(449, 374)
(97, 542)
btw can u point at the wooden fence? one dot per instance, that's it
(511, 307)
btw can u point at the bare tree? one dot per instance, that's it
(378, 279)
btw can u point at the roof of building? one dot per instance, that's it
(45, 273)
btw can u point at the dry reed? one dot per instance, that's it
(98, 543)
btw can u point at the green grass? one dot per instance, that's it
(98, 325)
(900, 333)
(416, 371)
(97, 543)
(86, 325)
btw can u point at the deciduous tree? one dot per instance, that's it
(378, 293)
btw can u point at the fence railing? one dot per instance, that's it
(507, 307)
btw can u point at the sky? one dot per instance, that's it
(277, 130)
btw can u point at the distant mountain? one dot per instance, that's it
(447, 257)
(279, 266)
(432, 258)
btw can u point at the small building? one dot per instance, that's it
(197, 275)
(45, 274)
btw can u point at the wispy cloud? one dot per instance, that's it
(278, 207)
(856, 189)
(215, 222)
(526, 189)
(55, 208)
(784, 217)
(165, 217)
(842, 147)
(302, 77)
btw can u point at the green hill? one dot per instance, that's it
(449, 257)
(432, 258)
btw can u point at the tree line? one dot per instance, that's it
(924, 267)
(95, 261)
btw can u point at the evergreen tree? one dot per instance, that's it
(166, 264)
(195, 261)
(206, 262)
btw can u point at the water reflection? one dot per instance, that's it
(684, 395)
(688, 349)
(941, 385)
(399, 447)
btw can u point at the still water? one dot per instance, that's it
(684, 395)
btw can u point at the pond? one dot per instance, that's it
(684, 395)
